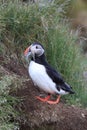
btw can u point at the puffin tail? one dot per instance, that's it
(69, 88)
(71, 92)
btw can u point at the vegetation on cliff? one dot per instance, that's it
(20, 25)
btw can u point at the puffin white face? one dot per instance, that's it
(34, 49)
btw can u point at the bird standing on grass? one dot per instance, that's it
(44, 76)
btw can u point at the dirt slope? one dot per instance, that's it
(36, 115)
(44, 116)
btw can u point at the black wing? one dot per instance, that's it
(57, 78)
(54, 75)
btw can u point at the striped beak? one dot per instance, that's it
(27, 52)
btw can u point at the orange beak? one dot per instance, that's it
(26, 51)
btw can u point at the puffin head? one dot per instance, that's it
(35, 49)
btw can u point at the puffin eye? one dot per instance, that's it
(36, 47)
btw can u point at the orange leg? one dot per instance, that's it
(54, 102)
(43, 99)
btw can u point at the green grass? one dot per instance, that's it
(22, 24)
(65, 56)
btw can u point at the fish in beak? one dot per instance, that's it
(27, 52)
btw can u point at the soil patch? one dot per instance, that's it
(41, 115)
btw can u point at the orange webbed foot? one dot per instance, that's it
(54, 102)
(43, 99)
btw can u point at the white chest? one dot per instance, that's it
(39, 76)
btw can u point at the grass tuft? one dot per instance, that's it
(65, 56)
(20, 25)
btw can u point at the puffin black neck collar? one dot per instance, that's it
(40, 60)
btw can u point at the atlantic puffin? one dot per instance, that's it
(45, 76)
